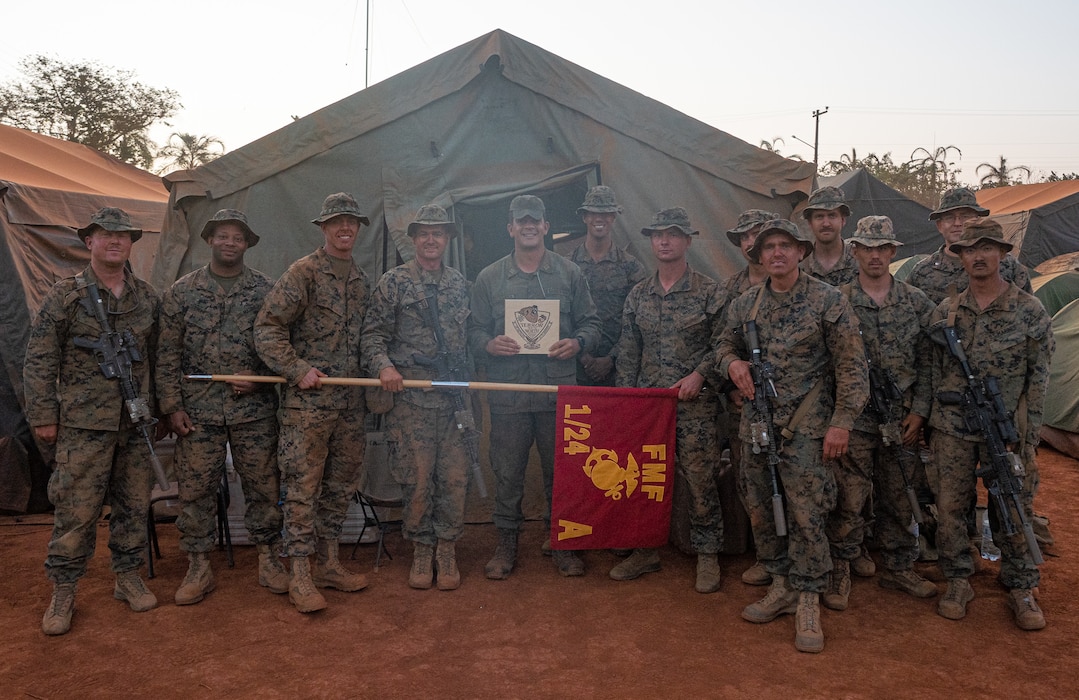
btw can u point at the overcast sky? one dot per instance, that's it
(991, 77)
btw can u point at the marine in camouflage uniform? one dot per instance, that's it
(69, 402)
(207, 323)
(520, 419)
(1006, 334)
(429, 458)
(309, 327)
(610, 272)
(669, 329)
(826, 213)
(808, 332)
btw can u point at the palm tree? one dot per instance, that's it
(185, 151)
(772, 145)
(935, 163)
(1001, 175)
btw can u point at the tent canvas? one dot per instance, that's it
(1041, 220)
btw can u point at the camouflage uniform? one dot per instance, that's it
(666, 335)
(808, 334)
(1011, 340)
(936, 275)
(313, 318)
(429, 458)
(97, 448)
(207, 330)
(844, 272)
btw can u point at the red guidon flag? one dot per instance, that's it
(613, 468)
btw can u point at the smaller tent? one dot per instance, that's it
(1042, 219)
(1060, 418)
(1056, 290)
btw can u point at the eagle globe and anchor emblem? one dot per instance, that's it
(532, 324)
(609, 476)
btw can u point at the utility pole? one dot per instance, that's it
(367, 49)
(816, 133)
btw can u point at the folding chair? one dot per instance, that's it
(377, 490)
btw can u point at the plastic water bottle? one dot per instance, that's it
(989, 550)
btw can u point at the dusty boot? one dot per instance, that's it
(199, 579)
(863, 565)
(272, 573)
(835, 598)
(642, 561)
(907, 580)
(449, 578)
(954, 603)
(756, 575)
(421, 575)
(707, 573)
(505, 557)
(331, 573)
(779, 601)
(301, 589)
(129, 587)
(1027, 613)
(57, 619)
(568, 563)
(808, 635)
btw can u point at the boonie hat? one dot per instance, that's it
(749, 219)
(826, 199)
(875, 231)
(980, 229)
(600, 200)
(783, 226)
(340, 203)
(527, 205)
(234, 216)
(433, 215)
(958, 198)
(110, 219)
(675, 217)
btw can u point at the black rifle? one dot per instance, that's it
(984, 414)
(116, 352)
(763, 429)
(450, 367)
(884, 400)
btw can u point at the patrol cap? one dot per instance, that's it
(110, 219)
(980, 229)
(340, 203)
(746, 222)
(780, 226)
(234, 216)
(958, 198)
(527, 205)
(600, 200)
(433, 215)
(826, 199)
(875, 231)
(675, 217)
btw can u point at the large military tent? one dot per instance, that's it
(1042, 219)
(470, 129)
(48, 189)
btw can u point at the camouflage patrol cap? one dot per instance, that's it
(826, 199)
(110, 219)
(875, 231)
(600, 199)
(433, 215)
(676, 217)
(981, 229)
(234, 216)
(747, 221)
(340, 203)
(780, 226)
(958, 198)
(527, 205)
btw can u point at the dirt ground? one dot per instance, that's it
(536, 635)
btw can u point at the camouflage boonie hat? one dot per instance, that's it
(826, 199)
(433, 215)
(746, 222)
(875, 231)
(527, 205)
(980, 229)
(958, 198)
(600, 199)
(783, 226)
(234, 216)
(676, 217)
(110, 219)
(338, 204)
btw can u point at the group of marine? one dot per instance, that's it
(783, 350)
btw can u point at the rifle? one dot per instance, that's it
(984, 414)
(763, 429)
(450, 367)
(116, 351)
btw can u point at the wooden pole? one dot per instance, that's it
(366, 381)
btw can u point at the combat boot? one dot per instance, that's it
(642, 561)
(331, 573)
(756, 575)
(907, 580)
(421, 574)
(954, 603)
(808, 635)
(301, 589)
(57, 619)
(568, 563)
(199, 579)
(838, 591)
(707, 573)
(505, 556)
(863, 565)
(449, 578)
(1027, 613)
(129, 587)
(272, 573)
(780, 600)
